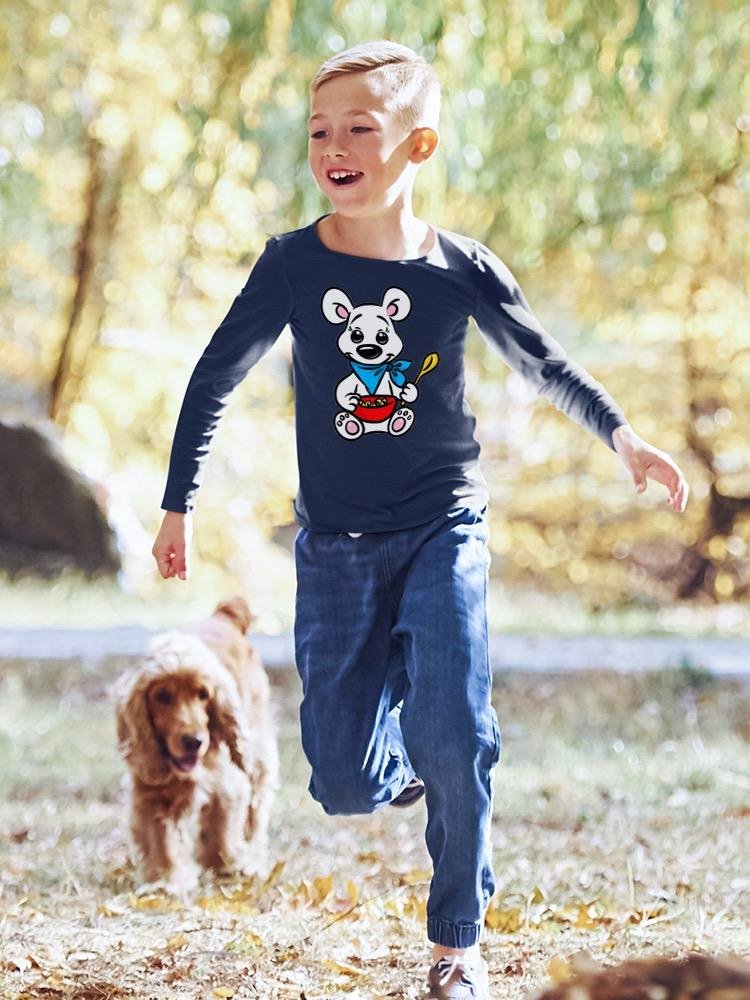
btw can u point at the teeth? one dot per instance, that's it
(342, 173)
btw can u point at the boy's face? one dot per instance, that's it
(353, 127)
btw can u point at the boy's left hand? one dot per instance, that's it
(642, 460)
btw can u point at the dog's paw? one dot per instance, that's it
(158, 887)
(180, 883)
(257, 864)
(248, 863)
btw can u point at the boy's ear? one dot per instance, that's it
(425, 142)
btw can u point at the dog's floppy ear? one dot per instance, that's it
(238, 610)
(135, 733)
(228, 722)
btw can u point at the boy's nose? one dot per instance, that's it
(333, 160)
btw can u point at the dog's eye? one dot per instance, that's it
(203, 694)
(163, 696)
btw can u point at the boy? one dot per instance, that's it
(391, 554)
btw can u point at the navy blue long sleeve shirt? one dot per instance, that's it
(379, 445)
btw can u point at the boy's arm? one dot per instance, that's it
(254, 322)
(505, 318)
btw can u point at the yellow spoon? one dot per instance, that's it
(430, 362)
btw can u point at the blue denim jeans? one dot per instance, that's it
(391, 646)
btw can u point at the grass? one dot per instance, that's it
(72, 602)
(621, 826)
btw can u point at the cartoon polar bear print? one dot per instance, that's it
(371, 344)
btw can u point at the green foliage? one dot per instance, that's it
(148, 151)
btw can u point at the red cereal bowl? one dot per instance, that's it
(375, 409)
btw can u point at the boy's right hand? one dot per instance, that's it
(172, 546)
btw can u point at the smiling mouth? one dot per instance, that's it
(344, 178)
(186, 763)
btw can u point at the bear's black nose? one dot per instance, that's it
(370, 351)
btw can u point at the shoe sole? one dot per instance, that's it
(408, 796)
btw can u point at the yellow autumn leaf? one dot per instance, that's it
(639, 916)
(273, 877)
(509, 919)
(223, 992)
(247, 942)
(155, 901)
(537, 895)
(415, 876)
(416, 907)
(352, 891)
(235, 902)
(584, 918)
(177, 942)
(559, 970)
(322, 888)
(344, 969)
(113, 908)
(368, 856)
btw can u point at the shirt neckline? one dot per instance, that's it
(378, 260)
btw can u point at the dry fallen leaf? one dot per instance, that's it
(347, 970)
(249, 942)
(415, 876)
(509, 919)
(112, 908)
(559, 970)
(153, 901)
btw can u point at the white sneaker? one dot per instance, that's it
(459, 977)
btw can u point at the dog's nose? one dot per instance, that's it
(191, 743)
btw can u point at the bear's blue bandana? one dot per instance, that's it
(372, 374)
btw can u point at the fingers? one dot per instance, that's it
(171, 561)
(677, 499)
(675, 483)
(163, 561)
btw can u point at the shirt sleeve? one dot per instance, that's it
(504, 317)
(254, 322)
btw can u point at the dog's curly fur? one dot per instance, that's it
(691, 977)
(201, 688)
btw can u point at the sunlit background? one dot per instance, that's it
(147, 151)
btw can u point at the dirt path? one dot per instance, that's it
(626, 654)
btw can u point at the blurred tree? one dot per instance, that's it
(148, 151)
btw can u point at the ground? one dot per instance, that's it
(621, 826)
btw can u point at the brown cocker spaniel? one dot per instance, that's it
(196, 728)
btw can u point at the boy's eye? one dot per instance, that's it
(364, 128)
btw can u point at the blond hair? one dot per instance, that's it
(413, 82)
